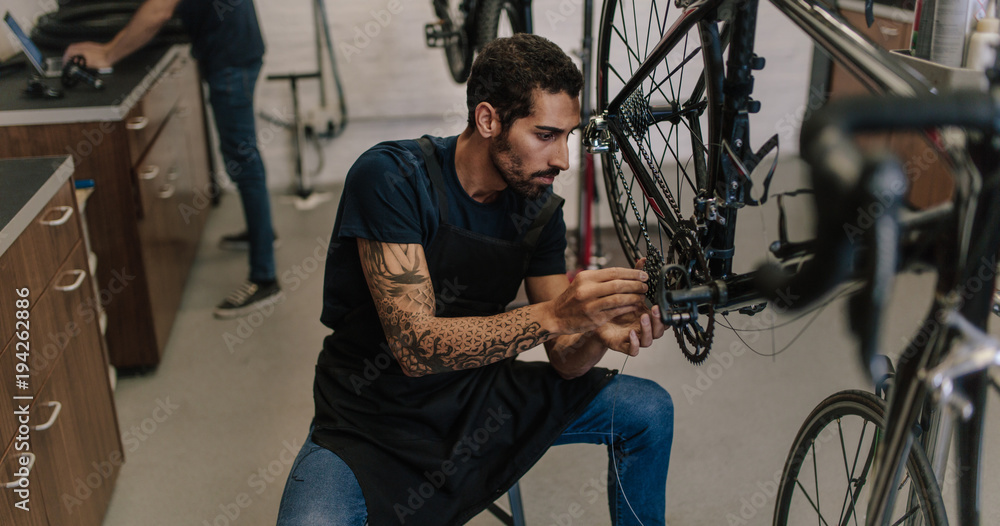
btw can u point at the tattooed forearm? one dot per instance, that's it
(401, 287)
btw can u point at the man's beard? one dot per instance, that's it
(511, 170)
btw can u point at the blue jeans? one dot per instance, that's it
(322, 490)
(231, 94)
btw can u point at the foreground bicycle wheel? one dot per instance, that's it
(827, 474)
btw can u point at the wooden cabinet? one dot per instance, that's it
(930, 179)
(69, 432)
(152, 173)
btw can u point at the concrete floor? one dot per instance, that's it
(239, 392)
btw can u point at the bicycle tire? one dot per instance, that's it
(99, 21)
(650, 199)
(490, 21)
(858, 409)
(458, 52)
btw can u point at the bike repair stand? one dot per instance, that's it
(305, 197)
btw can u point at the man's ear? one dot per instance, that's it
(487, 120)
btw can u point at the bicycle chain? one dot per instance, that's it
(700, 338)
(634, 127)
(653, 258)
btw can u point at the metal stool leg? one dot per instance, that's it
(516, 509)
(516, 515)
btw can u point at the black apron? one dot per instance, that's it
(438, 449)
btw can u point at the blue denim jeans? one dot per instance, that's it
(322, 490)
(231, 92)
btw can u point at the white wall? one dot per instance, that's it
(392, 75)
(25, 12)
(389, 74)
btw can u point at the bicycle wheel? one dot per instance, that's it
(496, 19)
(458, 50)
(658, 167)
(831, 463)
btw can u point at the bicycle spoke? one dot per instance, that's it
(852, 496)
(847, 471)
(631, 53)
(816, 482)
(903, 482)
(649, 32)
(904, 517)
(615, 71)
(658, 86)
(635, 27)
(809, 499)
(680, 165)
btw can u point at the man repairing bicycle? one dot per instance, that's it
(423, 415)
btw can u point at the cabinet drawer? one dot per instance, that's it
(9, 514)
(164, 183)
(36, 255)
(157, 174)
(72, 402)
(143, 122)
(51, 330)
(82, 442)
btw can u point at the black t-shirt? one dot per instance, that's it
(388, 197)
(223, 32)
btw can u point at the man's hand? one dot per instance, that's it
(94, 53)
(634, 330)
(143, 26)
(596, 297)
(631, 332)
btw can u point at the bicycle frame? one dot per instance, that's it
(875, 66)
(908, 402)
(881, 73)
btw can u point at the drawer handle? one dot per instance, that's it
(67, 212)
(137, 123)
(80, 275)
(52, 419)
(889, 31)
(167, 191)
(149, 172)
(173, 174)
(31, 463)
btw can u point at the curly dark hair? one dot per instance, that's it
(508, 70)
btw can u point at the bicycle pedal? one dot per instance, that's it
(436, 36)
(750, 310)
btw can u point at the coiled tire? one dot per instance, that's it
(98, 22)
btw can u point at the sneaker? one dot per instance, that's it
(240, 241)
(249, 297)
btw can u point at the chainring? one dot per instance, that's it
(686, 252)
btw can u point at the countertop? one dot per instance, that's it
(28, 184)
(131, 79)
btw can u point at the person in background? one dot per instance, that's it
(423, 414)
(226, 41)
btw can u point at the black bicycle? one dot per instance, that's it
(465, 26)
(674, 103)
